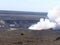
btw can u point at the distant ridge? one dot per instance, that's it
(22, 12)
(21, 15)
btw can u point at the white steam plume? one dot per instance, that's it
(43, 24)
(54, 13)
(52, 22)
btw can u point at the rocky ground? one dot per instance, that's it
(29, 37)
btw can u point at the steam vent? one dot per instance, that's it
(14, 29)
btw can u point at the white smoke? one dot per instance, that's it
(43, 24)
(54, 13)
(52, 22)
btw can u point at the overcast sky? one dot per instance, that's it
(28, 5)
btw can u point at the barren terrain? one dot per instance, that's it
(29, 37)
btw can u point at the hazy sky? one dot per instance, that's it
(28, 5)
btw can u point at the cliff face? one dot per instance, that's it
(29, 37)
(20, 19)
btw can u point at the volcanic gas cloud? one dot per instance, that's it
(53, 20)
